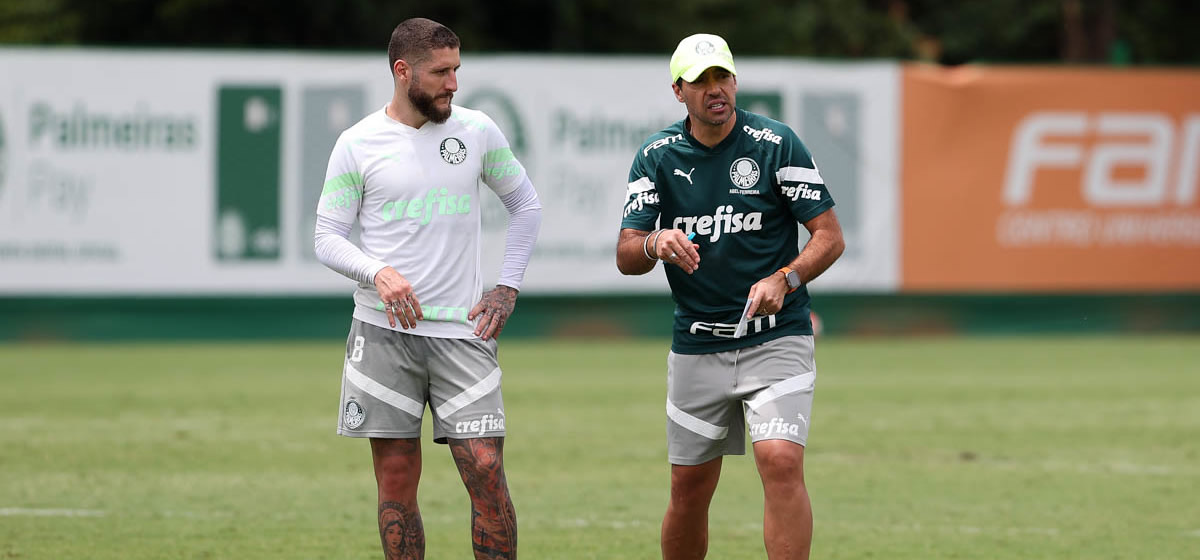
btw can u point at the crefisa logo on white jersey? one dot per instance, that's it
(453, 151)
(744, 173)
(353, 415)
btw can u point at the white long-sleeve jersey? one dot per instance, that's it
(415, 194)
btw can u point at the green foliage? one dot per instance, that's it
(923, 449)
(950, 32)
(38, 22)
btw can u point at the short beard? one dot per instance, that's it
(424, 104)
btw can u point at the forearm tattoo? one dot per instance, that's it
(401, 531)
(493, 519)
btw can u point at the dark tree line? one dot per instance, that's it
(946, 31)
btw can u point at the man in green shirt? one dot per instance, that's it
(729, 186)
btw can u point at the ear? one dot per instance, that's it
(678, 92)
(401, 70)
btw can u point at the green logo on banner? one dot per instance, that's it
(497, 105)
(831, 126)
(767, 104)
(249, 131)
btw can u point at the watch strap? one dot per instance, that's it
(787, 277)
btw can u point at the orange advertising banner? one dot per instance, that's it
(1050, 179)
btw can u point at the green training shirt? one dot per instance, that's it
(742, 198)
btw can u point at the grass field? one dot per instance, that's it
(923, 448)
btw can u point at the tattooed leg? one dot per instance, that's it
(493, 519)
(397, 472)
(401, 531)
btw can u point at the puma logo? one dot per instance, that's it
(687, 175)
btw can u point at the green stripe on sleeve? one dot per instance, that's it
(352, 179)
(498, 156)
(501, 163)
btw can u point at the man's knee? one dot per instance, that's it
(480, 462)
(781, 462)
(694, 485)
(397, 468)
(478, 455)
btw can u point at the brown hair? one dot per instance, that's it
(414, 39)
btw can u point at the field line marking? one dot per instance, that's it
(603, 523)
(49, 512)
(962, 529)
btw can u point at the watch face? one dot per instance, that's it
(793, 279)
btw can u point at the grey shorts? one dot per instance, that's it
(390, 376)
(713, 398)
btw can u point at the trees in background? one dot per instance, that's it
(1076, 31)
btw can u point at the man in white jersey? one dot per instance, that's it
(423, 329)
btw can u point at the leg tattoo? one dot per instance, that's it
(493, 519)
(397, 471)
(402, 533)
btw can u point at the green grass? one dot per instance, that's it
(992, 448)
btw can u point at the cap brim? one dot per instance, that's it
(700, 66)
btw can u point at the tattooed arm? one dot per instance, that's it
(525, 219)
(495, 307)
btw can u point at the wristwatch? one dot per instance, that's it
(792, 277)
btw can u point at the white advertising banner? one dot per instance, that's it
(190, 172)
